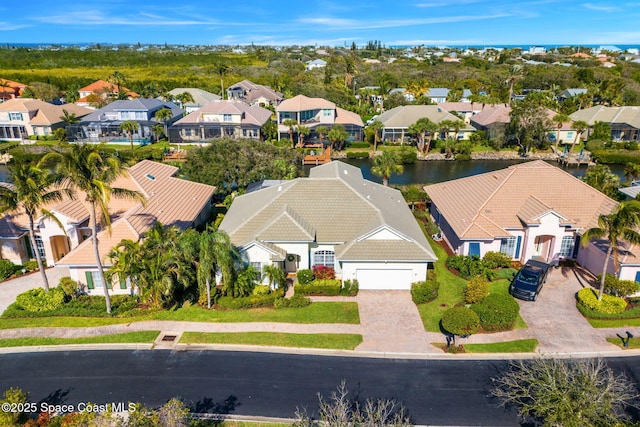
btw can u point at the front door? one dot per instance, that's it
(291, 263)
(542, 246)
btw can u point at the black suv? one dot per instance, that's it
(528, 281)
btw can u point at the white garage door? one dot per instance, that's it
(383, 279)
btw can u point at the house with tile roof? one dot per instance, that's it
(315, 112)
(217, 119)
(103, 125)
(200, 98)
(21, 118)
(254, 94)
(104, 90)
(624, 121)
(10, 89)
(398, 120)
(532, 210)
(335, 217)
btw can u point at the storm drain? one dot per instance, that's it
(169, 338)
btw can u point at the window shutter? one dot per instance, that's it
(89, 279)
(123, 282)
(576, 247)
(518, 244)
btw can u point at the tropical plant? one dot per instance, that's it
(164, 115)
(338, 135)
(385, 165)
(69, 118)
(423, 127)
(275, 275)
(619, 225)
(376, 127)
(221, 70)
(559, 120)
(119, 80)
(87, 170)
(632, 171)
(216, 255)
(291, 124)
(580, 126)
(184, 98)
(321, 131)
(602, 179)
(130, 126)
(302, 132)
(31, 191)
(515, 73)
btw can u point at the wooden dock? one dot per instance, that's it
(318, 159)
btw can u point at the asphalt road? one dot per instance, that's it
(435, 392)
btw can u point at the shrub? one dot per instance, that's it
(463, 157)
(617, 287)
(305, 276)
(594, 145)
(261, 290)
(425, 291)
(497, 312)
(326, 287)
(358, 145)
(460, 321)
(408, 156)
(69, 286)
(7, 269)
(252, 301)
(631, 145)
(608, 304)
(349, 288)
(496, 260)
(30, 265)
(296, 301)
(477, 289)
(38, 300)
(467, 266)
(321, 272)
(358, 155)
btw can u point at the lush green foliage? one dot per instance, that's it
(252, 301)
(467, 266)
(493, 260)
(358, 154)
(357, 144)
(38, 300)
(7, 269)
(261, 290)
(349, 288)
(296, 301)
(83, 305)
(497, 312)
(305, 276)
(327, 287)
(460, 321)
(477, 290)
(517, 346)
(425, 291)
(232, 164)
(13, 396)
(619, 288)
(69, 286)
(608, 304)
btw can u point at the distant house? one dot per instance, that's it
(171, 201)
(254, 94)
(10, 89)
(217, 119)
(493, 120)
(437, 94)
(104, 124)
(21, 118)
(335, 218)
(316, 63)
(501, 211)
(570, 93)
(624, 121)
(464, 109)
(314, 112)
(398, 120)
(200, 98)
(103, 90)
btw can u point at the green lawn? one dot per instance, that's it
(634, 343)
(129, 337)
(332, 341)
(518, 346)
(318, 312)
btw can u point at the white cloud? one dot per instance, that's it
(97, 17)
(6, 26)
(349, 24)
(600, 7)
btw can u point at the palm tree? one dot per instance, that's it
(164, 115)
(621, 224)
(632, 171)
(580, 126)
(291, 124)
(559, 120)
(31, 191)
(302, 132)
(423, 127)
(69, 119)
(602, 179)
(321, 131)
(130, 126)
(217, 255)
(221, 70)
(275, 275)
(338, 135)
(126, 263)
(87, 169)
(515, 72)
(386, 165)
(184, 98)
(118, 79)
(376, 127)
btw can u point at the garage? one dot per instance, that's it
(394, 279)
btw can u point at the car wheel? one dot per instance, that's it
(535, 297)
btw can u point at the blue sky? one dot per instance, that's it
(322, 22)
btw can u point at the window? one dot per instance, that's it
(324, 258)
(326, 112)
(508, 246)
(258, 267)
(566, 248)
(96, 279)
(15, 116)
(307, 115)
(40, 246)
(227, 117)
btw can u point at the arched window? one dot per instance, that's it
(324, 258)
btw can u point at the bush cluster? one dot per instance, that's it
(477, 289)
(358, 155)
(305, 276)
(7, 269)
(425, 291)
(69, 286)
(296, 301)
(356, 144)
(261, 290)
(38, 300)
(349, 288)
(81, 306)
(497, 312)
(321, 272)
(473, 266)
(494, 259)
(324, 287)
(253, 301)
(619, 288)
(460, 321)
(608, 304)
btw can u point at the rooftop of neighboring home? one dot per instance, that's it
(629, 115)
(148, 105)
(9, 86)
(42, 113)
(104, 86)
(170, 200)
(334, 205)
(200, 97)
(303, 103)
(487, 205)
(498, 113)
(405, 115)
(214, 110)
(462, 107)
(252, 92)
(437, 92)
(571, 92)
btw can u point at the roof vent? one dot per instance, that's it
(151, 177)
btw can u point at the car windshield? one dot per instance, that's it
(527, 277)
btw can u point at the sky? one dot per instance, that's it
(322, 22)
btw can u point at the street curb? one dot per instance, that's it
(74, 347)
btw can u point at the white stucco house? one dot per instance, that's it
(336, 218)
(532, 210)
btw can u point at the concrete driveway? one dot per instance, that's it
(10, 289)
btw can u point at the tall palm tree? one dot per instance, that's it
(291, 124)
(376, 127)
(302, 132)
(118, 79)
(386, 165)
(130, 126)
(631, 171)
(69, 118)
(423, 127)
(580, 126)
(126, 263)
(184, 98)
(221, 70)
(321, 131)
(31, 191)
(275, 275)
(164, 115)
(88, 170)
(559, 120)
(515, 73)
(621, 224)
(216, 255)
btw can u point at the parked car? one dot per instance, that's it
(528, 282)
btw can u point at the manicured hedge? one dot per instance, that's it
(305, 276)
(608, 304)
(81, 306)
(497, 312)
(38, 300)
(425, 291)
(326, 287)
(358, 155)
(296, 301)
(358, 145)
(460, 321)
(477, 289)
(616, 156)
(252, 301)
